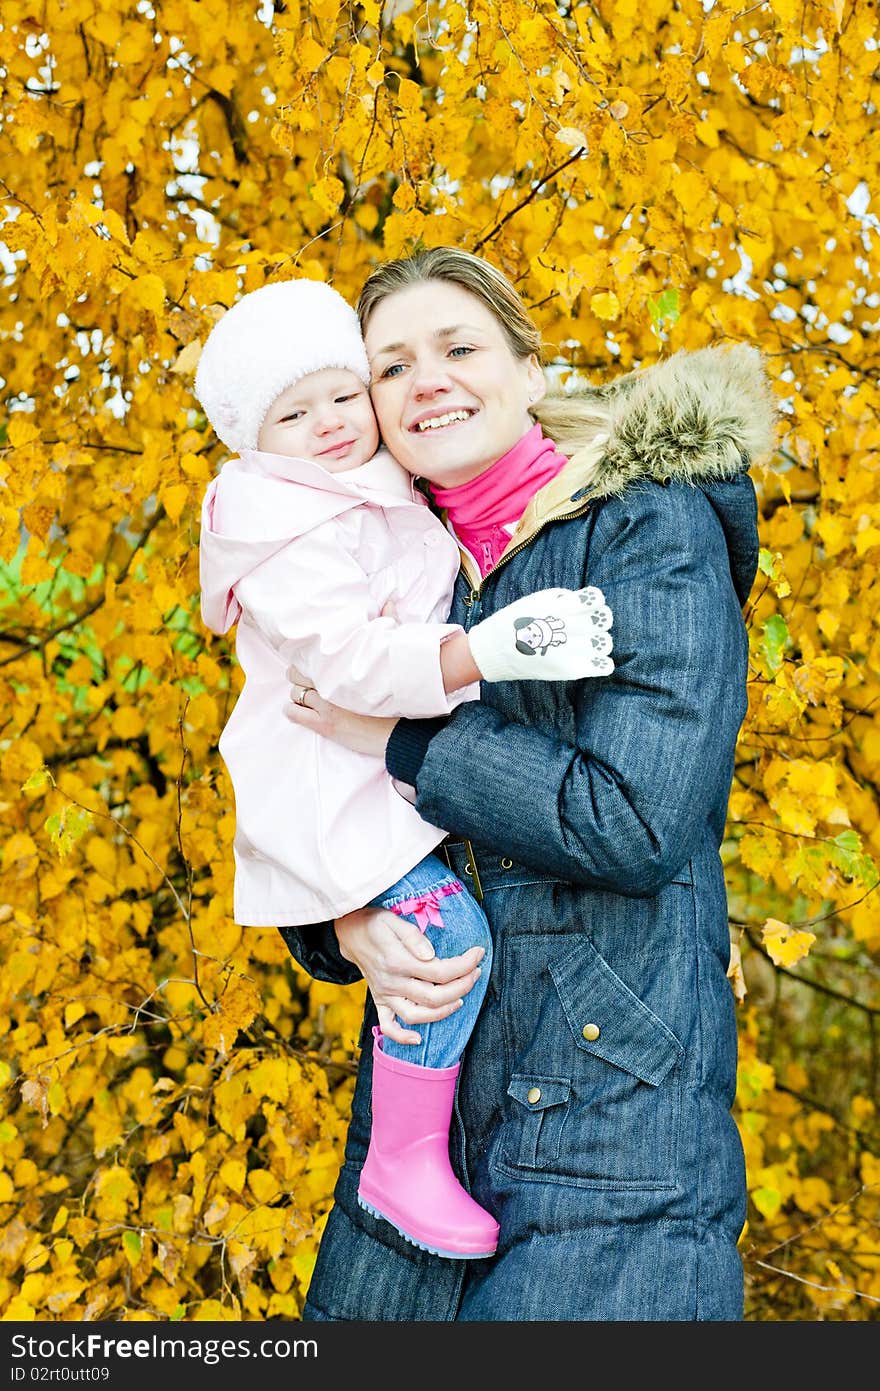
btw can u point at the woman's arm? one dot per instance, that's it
(625, 803)
(313, 603)
(316, 948)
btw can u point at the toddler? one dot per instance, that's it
(315, 542)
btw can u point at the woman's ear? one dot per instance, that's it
(537, 381)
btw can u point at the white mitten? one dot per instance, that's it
(552, 635)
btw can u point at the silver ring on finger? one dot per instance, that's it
(300, 693)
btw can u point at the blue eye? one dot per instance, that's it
(393, 370)
(460, 348)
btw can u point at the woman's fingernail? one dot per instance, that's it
(478, 971)
(459, 1003)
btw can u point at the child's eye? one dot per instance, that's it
(352, 396)
(293, 415)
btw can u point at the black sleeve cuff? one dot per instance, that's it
(406, 749)
(316, 949)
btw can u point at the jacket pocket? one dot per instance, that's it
(609, 1073)
(626, 1083)
(544, 1107)
(609, 1021)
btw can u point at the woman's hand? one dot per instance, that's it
(360, 733)
(404, 976)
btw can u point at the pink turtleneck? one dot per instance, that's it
(482, 511)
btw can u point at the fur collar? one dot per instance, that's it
(698, 417)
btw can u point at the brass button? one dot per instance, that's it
(506, 863)
(534, 1094)
(590, 1032)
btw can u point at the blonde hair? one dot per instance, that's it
(572, 421)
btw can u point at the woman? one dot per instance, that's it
(594, 1097)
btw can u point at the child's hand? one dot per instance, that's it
(552, 635)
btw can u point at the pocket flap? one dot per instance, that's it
(538, 1092)
(629, 1035)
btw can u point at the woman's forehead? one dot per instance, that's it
(434, 310)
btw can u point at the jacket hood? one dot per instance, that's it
(700, 417)
(260, 502)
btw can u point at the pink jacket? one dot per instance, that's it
(303, 561)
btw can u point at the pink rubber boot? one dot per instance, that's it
(407, 1178)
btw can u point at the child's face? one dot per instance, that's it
(326, 417)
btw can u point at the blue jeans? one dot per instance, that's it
(464, 925)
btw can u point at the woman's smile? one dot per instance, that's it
(441, 420)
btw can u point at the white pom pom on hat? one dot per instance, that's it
(266, 342)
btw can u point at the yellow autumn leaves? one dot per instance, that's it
(652, 178)
(785, 945)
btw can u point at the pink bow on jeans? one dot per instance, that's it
(426, 907)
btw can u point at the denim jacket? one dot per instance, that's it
(594, 1101)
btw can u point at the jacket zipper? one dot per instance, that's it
(474, 596)
(473, 602)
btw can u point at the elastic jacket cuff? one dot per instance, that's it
(406, 749)
(316, 949)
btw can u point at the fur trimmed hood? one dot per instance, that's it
(700, 417)
(697, 417)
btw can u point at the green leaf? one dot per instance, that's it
(133, 1246)
(664, 306)
(774, 641)
(165, 1218)
(768, 1201)
(849, 857)
(848, 840)
(39, 780)
(767, 562)
(66, 827)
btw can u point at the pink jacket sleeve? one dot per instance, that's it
(314, 606)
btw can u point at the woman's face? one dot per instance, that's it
(449, 394)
